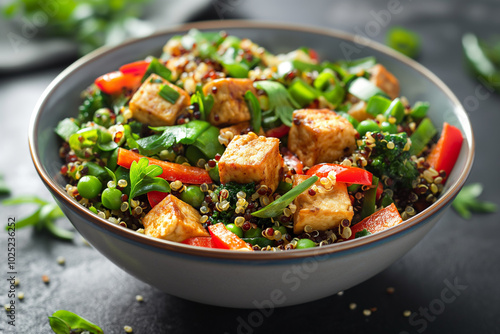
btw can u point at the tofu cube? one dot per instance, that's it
(229, 100)
(323, 211)
(174, 220)
(251, 158)
(148, 107)
(320, 135)
(358, 111)
(384, 80)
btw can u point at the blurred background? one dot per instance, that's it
(38, 39)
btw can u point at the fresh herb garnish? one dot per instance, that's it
(276, 208)
(169, 94)
(362, 233)
(66, 322)
(404, 41)
(280, 101)
(467, 201)
(143, 179)
(44, 217)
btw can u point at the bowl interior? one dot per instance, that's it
(62, 97)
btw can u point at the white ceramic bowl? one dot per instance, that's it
(241, 279)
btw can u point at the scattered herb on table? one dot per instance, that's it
(467, 201)
(65, 322)
(44, 217)
(405, 41)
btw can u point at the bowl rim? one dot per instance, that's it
(161, 245)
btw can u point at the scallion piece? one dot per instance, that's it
(276, 208)
(377, 105)
(422, 135)
(169, 94)
(364, 89)
(302, 92)
(158, 68)
(370, 199)
(255, 111)
(419, 110)
(404, 41)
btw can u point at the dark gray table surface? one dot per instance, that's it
(456, 252)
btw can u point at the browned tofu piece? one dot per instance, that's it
(174, 220)
(251, 158)
(384, 80)
(229, 100)
(150, 108)
(322, 211)
(320, 135)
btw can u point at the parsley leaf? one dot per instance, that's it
(66, 322)
(43, 218)
(467, 202)
(143, 179)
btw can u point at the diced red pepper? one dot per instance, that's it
(313, 54)
(292, 161)
(171, 171)
(343, 173)
(155, 197)
(444, 155)
(380, 190)
(116, 82)
(379, 221)
(278, 132)
(137, 68)
(225, 239)
(206, 242)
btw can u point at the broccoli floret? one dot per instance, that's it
(389, 155)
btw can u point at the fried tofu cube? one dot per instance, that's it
(251, 158)
(323, 211)
(320, 135)
(148, 107)
(384, 80)
(229, 100)
(174, 220)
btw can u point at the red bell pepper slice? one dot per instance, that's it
(171, 171)
(444, 155)
(379, 221)
(155, 197)
(116, 82)
(225, 239)
(343, 173)
(292, 161)
(380, 190)
(278, 132)
(137, 68)
(206, 242)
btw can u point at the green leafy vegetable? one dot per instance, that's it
(94, 100)
(143, 179)
(156, 67)
(205, 103)
(362, 233)
(169, 94)
(66, 322)
(43, 218)
(422, 135)
(280, 101)
(255, 111)
(276, 207)
(404, 41)
(467, 201)
(66, 128)
(233, 189)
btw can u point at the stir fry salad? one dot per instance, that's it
(219, 143)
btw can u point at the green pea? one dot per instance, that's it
(368, 125)
(104, 117)
(111, 198)
(253, 233)
(235, 229)
(89, 186)
(193, 196)
(389, 127)
(305, 243)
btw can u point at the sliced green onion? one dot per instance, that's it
(364, 89)
(158, 68)
(169, 94)
(419, 110)
(255, 111)
(369, 199)
(377, 105)
(421, 136)
(303, 93)
(404, 41)
(276, 208)
(396, 110)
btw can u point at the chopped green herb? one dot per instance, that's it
(43, 218)
(65, 322)
(404, 41)
(467, 201)
(143, 179)
(362, 233)
(169, 94)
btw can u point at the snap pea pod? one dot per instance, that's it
(422, 135)
(276, 208)
(369, 199)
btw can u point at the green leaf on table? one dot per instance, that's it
(65, 322)
(467, 201)
(43, 218)
(143, 179)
